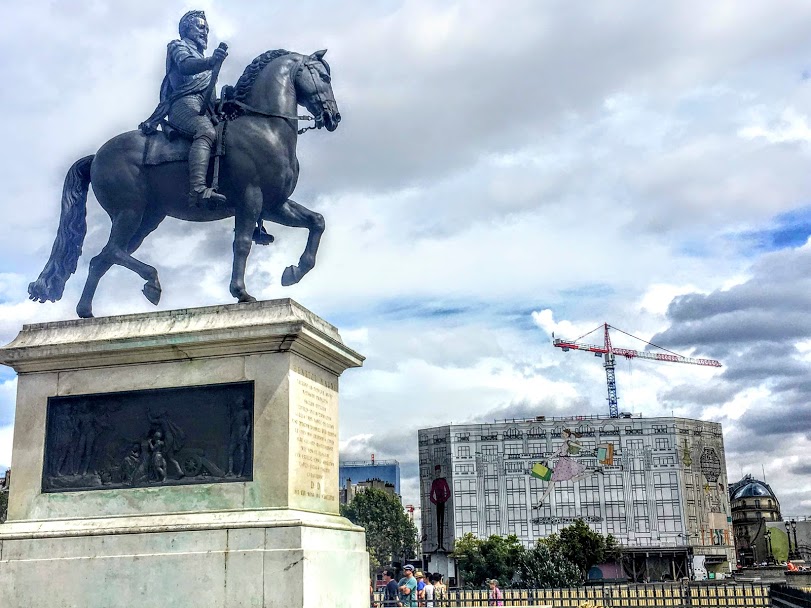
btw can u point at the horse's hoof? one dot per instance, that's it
(84, 313)
(152, 293)
(291, 276)
(246, 299)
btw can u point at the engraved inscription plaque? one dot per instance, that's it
(314, 437)
(156, 437)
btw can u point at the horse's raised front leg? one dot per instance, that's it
(297, 216)
(245, 220)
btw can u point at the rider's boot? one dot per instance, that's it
(199, 193)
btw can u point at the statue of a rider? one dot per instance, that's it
(187, 96)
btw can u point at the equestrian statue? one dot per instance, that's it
(200, 159)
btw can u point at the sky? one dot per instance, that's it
(503, 171)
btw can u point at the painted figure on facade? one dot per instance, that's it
(567, 468)
(440, 494)
(144, 176)
(187, 97)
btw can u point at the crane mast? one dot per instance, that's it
(609, 354)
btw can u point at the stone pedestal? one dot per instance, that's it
(92, 526)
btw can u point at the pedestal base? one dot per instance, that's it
(267, 559)
(181, 458)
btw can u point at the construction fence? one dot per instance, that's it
(654, 595)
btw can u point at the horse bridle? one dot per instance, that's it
(323, 101)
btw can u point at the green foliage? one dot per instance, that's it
(541, 568)
(559, 560)
(3, 506)
(481, 559)
(583, 546)
(390, 534)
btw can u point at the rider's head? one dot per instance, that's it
(193, 25)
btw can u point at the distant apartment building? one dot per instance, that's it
(380, 474)
(348, 492)
(659, 485)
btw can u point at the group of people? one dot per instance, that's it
(413, 589)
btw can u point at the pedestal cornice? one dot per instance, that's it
(176, 335)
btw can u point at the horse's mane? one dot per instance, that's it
(245, 82)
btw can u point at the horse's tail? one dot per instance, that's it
(67, 246)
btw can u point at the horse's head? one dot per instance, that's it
(314, 91)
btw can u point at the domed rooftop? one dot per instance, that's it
(749, 486)
(753, 489)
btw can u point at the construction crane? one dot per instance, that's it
(610, 353)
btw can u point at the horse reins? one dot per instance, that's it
(254, 110)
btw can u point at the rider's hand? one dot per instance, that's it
(219, 55)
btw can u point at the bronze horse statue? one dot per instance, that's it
(258, 173)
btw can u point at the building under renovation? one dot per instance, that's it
(658, 485)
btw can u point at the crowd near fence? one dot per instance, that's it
(652, 595)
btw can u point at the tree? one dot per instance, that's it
(390, 534)
(3, 506)
(481, 559)
(541, 568)
(583, 546)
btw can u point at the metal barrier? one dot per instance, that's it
(786, 596)
(654, 595)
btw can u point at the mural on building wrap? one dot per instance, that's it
(648, 482)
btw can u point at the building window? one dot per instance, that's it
(634, 444)
(463, 451)
(466, 512)
(463, 468)
(757, 503)
(662, 443)
(490, 450)
(513, 448)
(517, 520)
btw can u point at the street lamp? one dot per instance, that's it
(794, 530)
(768, 535)
(788, 535)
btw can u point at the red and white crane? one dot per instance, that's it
(610, 353)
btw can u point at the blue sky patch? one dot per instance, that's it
(788, 230)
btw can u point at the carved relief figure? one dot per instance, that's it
(66, 432)
(239, 441)
(158, 462)
(88, 432)
(173, 437)
(132, 465)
